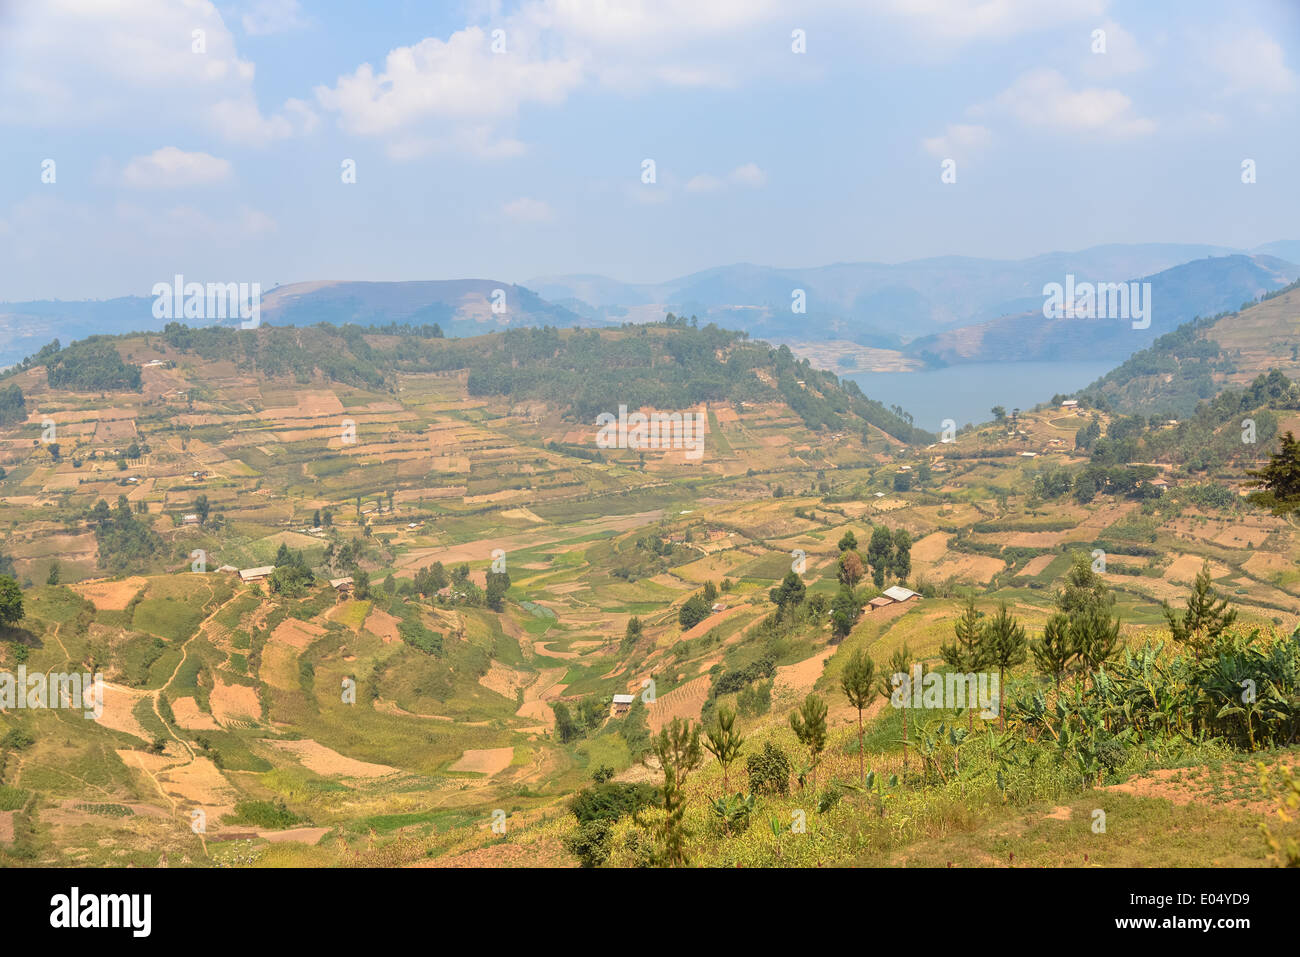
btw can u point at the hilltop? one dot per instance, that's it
(1201, 357)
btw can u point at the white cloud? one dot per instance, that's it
(1252, 62)
(83, 64)
(958, 140)
(170, 168)
(1122, 56)
(437, 85)
(264, 17)
(967, 20)
(525, 210)
(1044, 98)
(749, 176)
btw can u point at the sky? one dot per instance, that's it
(508, 140)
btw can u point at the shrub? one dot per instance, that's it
(769, 771)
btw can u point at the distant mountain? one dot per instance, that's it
(873, 304)
(1199, 359)
(462, 307)
(1203, 287)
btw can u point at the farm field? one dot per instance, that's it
(443, 591)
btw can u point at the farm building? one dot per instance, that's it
(1070, 404)
(341, 584)
(879, 602)
(622, 705)
(256, 574)
(899, 593)
(190, 519)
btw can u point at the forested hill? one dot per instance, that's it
(1204, 356)
(670, 365)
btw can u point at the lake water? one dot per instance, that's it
(966, 393)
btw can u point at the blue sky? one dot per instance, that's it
(224, 165)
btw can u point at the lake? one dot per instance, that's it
(966, 393)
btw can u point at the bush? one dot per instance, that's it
(769, 771)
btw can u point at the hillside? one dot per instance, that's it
(1202, 287)
(509, 576)
(1200, 358)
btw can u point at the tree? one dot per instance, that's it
(678, 749)
(790, 593)
(52, 577)
(693, 611)
(900, 663)
(848, 541)
(361, 584)
(809, 726)
(632, 634)
(1206, 616)
(723, 741)
(710, 592)
(11, 601)
(879, 554)
(902, 562)
(201, 508)
(1279, 479)
(1004, 644)
(1055, 650)
(1094, 638)
(851, 569)
(966, 653)
(845, 611)
(858, 682)
(999, 413)
(315, 519)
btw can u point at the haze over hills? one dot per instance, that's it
(951, 308)
(1199, 359)
(1204, 287)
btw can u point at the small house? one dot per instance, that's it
(256, 574)
(341, 585)
(717, 607)
(621, 705)
(190, 519)
(879, 602)
(899, 594)
(1070, 404)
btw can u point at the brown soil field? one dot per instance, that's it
(232, 703)
(684, 701)
(504, 680)
(296, 633)
(487, 761)
(325, 761)
(118, 704)
(189, 717)
(708, 624)
(1185, 568)
(798, 679)
(382, 625)
(975, 568)
(931, 548)
(1037, 564)
(538, 694)
(110, 595)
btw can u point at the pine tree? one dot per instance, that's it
(1003, 640)
(723, 741)
(1055, 650)
(809, 726)
(966, 653)
(1279, 479)
(1206, 616)
(858, 684)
